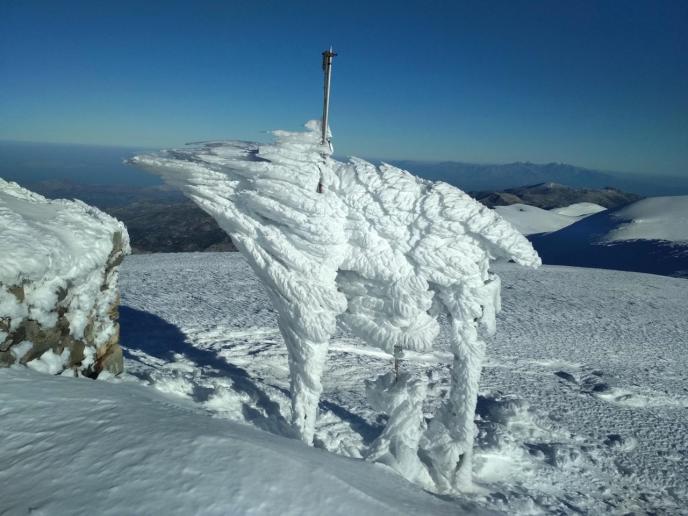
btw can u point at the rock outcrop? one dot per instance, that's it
(58, 284)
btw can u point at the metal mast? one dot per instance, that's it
(327, 68)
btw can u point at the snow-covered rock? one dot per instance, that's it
(372, 246)
(58, 284)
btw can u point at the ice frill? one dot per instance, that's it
(374, 247)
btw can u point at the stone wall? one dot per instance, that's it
(96, 350)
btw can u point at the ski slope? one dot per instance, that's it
(583, 402)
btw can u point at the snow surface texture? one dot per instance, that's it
(656, 218)
(57, 252)
(75, 446)
(579, 209)
(583, 405)
(531, 220)
(376, 247)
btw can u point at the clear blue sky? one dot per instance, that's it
(600, 84)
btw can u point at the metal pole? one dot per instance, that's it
(327, 68)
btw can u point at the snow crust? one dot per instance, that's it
(373, 247)
(531, 220)
(127, 449)
(56, 251)
(654, 218)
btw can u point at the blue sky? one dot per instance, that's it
(598, 84)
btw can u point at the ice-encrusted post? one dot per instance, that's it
(380, 251)
(327, 68)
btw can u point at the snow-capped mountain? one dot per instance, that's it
(650, 235)
(473, 176)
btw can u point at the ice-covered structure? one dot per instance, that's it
(374, 247)
(58, 284)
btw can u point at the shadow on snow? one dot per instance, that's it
(158, 338)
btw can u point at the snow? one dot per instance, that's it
(655, 218)
(78, 446)
(50, 362)
(374, 248)
(583, 401)
(579, 209)
(56, 251)
(531, 220)
(649, 235)
(43, 239)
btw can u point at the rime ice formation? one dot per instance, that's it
(58, 284)
(401, 398)
(374, 247)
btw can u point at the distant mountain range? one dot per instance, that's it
(161, 219)
(475, 177)
(554, 195)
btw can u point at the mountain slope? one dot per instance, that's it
(650, 235)
(471, 176)
(531, 220)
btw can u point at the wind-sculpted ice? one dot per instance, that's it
(372, 246)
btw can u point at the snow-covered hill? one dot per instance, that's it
(579, 209)
(650, 235)
(530, 220)
(656, 218)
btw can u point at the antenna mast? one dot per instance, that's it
(327, 68)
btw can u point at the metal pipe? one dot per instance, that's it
(327, 68)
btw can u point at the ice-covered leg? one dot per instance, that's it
(306, 363)
(448, 443)
(401, 398)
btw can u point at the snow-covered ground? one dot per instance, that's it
(79, 446)
(583, 402)
(531, 220)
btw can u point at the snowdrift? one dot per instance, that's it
(58, 284)
(136, 451)
(373, 248)
(650, 235)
